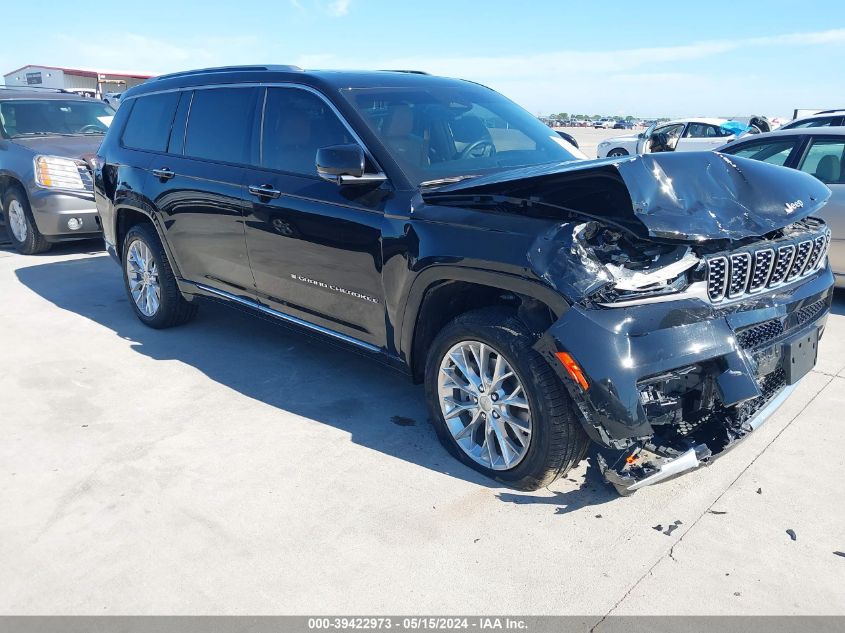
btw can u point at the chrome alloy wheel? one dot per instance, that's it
(484, 405)
(17, 221)
(142, 273)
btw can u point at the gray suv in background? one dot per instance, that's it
(47, 141)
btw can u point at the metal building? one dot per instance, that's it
(93, 83)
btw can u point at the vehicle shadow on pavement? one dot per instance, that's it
(838, 305)
(262, 360)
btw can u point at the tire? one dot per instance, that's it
(22, 225)
(617, 152)
(557, 442)
(169, 308)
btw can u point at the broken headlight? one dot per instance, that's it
(639, 269)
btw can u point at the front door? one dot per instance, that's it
(315, 247)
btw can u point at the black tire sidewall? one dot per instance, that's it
(517, 351)
(617, 153)
(32, 243)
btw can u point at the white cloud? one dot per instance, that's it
(339, 8)
(654, 79)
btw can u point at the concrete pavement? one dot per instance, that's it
(230, 466)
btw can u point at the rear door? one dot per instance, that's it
(199, 187)
(824, 158)
(315, 247)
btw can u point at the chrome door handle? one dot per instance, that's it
(264, 191)
(164, 173)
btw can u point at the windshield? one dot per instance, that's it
(32, 117)
(448, 132)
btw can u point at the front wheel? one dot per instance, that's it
(150, 282)
(497, 405)
(20, 226)
(617, 152)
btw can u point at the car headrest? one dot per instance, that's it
(828, 169)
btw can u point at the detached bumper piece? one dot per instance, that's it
(647, 464)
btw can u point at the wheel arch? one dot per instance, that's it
(441, 293)
(129, 213)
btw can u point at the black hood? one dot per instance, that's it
(84, 147)
(698, 196)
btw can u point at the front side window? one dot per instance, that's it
(44, 117)
(220, 124)
(296, 124)
(825, 160)
(148, 127)
(774, 153)
(442, 131)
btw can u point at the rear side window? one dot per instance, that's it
(774, 153)
(825, 160)
(220, 124)
(149, 122)
(818, 122)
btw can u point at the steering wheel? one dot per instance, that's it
(487, 149)
(92, 127)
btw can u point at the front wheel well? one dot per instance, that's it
(7, 182)
(446, 300)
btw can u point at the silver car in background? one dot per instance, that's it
(817, 151)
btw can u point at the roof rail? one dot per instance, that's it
(397, 70)
(229, 69)
(830, 111)
(24, 88)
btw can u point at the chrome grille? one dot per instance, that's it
(764, 260)
(802, 254)
(785, 255)
(740, 271)
(717, 277)
(751, 270)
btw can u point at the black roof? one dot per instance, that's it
(325, 79)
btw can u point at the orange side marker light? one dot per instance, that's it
(573, 369)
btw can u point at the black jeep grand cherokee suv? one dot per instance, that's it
(661, 305)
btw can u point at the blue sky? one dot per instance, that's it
(642, 58)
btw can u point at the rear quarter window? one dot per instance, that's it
(148, 127)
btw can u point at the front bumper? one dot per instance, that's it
(52, 210)
(673, 385)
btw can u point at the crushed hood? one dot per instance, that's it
(697, 196)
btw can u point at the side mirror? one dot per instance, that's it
(344, 165)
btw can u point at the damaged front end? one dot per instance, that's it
(699, 289)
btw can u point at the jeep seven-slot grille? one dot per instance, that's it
(753, 270)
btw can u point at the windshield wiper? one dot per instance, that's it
(439, 182)
(24, 134)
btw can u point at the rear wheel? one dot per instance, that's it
(497, 405)
(150, 282)
(20, 224)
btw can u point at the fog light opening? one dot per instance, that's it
(74, 224)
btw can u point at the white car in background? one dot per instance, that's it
(680, 135)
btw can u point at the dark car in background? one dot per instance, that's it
(818, 151)
(48, 139)
(435, 225)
